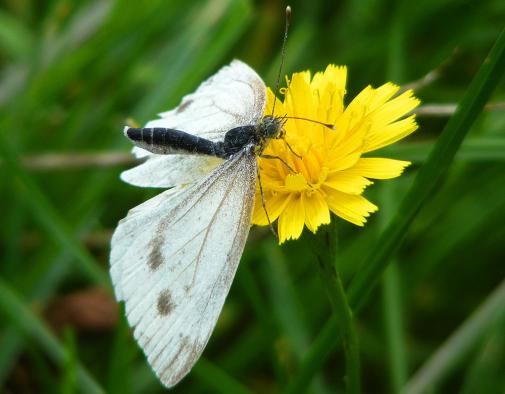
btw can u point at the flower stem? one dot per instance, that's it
(324, 244)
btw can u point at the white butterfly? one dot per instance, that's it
(173, 258)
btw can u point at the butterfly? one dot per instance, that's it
(173, 258)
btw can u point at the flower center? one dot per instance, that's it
(298, 182)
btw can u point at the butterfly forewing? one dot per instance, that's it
(234, 96)
(173, 260)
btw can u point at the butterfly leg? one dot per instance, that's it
(279, 158)
(263, 204)
(291, 149)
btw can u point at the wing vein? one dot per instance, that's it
(211, 223)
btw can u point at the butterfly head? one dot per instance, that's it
(269, 127)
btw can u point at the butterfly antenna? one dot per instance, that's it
(283, 52)
(328, 125)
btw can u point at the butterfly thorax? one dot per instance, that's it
(269, 127)
(257, 136)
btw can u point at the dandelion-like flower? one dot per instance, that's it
(329, 169)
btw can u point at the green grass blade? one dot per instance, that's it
(392, 303)
(68, 384)
(27, 322)
(263, 314)
(459, 343)
(325, 344)
(432, 171)
(283, 297)
(119, 379)
(437, 164)
(42, 280)
(49, 218)
(10, 342)
(198, 49)
(395, 337)
(473, 149)
(286, 305)
(216, 379)
(485, 373)
(15, 38)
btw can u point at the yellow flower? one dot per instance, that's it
(330, 173)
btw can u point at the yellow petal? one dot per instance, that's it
(346, 152)
(395, 108)
(380, 136)
(381, 95)
(354, 209)
(292, 219)
(356, 112)
(275, 203)
(341, 163)
(348, 181)
(316, 210)
(329, 87)
(379, 168)
(299, 99)
(336, 75)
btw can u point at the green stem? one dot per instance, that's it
(324, 244)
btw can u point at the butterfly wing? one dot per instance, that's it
(173, 259)
(234, 96)
(169, 170)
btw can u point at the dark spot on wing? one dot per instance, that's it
(165, 304)
(183, 106)
(155, 258)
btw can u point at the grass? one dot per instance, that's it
(73, 72)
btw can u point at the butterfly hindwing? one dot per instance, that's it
(169, 170)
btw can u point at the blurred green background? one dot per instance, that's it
(73, 72)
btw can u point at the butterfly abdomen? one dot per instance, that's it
(165, 141)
